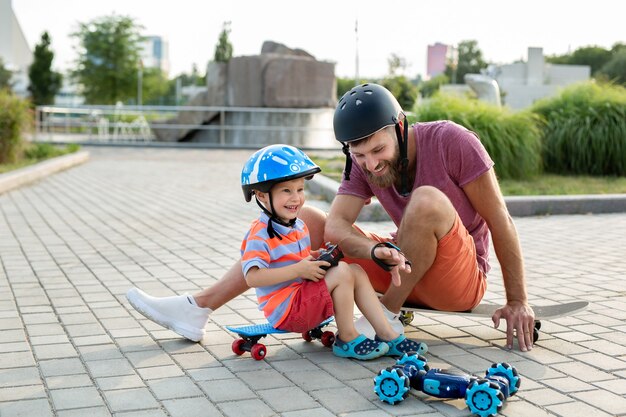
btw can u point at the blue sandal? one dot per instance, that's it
(401, 345)
(360, 348)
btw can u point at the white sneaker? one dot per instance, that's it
(364, 327)
(176, 313)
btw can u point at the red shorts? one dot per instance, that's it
(453, 283)
(310, 306)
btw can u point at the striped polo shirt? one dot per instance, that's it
(257, 249)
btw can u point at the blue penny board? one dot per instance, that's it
(265, 329)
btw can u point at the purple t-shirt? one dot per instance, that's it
(448, 158)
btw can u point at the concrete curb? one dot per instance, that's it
(519, 206)
(19, 177)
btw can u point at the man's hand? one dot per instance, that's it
(519, 318)
(394, 258)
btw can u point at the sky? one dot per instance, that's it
(326, 29)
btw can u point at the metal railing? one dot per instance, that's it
(222, 126)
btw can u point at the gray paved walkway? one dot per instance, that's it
(171, 221)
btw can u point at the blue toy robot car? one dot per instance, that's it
(484, 396)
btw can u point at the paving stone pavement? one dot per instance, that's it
(171, 221)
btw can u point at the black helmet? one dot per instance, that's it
(363, 111)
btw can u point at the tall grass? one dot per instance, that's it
(513, 140)
(585, 130)
(14, 119)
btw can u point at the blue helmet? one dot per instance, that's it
(273, 164)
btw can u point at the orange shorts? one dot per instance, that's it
(453, 283)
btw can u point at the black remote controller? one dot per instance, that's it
(331, 254)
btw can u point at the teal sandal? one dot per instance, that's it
(401, 345)
(360, 348)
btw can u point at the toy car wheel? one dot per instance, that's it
(258, 351)
(406, 317)
(328, 338)
(391, 385)
(237, 347)
(507, 371)
(307, 336)
(484, 398)
(413, 358)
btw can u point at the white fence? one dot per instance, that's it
(219, 126)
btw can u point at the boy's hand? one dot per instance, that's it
(311, 269)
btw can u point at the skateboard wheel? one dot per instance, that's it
(238, 347)
(258, 351)
(484, 398)
(535, 335)
(328, 338)
(307, 336)
(406, 317)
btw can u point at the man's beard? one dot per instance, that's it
(392, 174)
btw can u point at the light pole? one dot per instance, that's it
(356, 36)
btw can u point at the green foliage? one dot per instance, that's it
(44, 82)
(430, 87)
(604, 64)
(154, 86)
(40, 151)
(344, 85)
(5, 76)
(223, 49)
(402, 89)
(585, 130)
(470, 61)
(14, 118)
(615, 69)
(109, 59)
(513, 140)
(594, 56)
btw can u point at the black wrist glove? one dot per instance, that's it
(379, 262)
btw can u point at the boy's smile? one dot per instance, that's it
(287, 199)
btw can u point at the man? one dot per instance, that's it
(438, 185)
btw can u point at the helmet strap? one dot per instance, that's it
(404, 160)
(346, 151)
(273, 218)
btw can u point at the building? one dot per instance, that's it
(14, 50)
(436, 59)
(155, 53)
(523, 83)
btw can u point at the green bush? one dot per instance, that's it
(584, 130)
(14, 118)
(513, 140)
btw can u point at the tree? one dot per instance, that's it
(594, 56)
(223, 49)
(109, 59)
(5, 76)
(615, 69)
(395, 63)
(402, 89)
(469, 61)
(430, 87)
(44, 82)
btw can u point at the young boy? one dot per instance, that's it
(294, 291)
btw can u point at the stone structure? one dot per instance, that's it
(523, 83)
(485, 87)
(278, 78)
